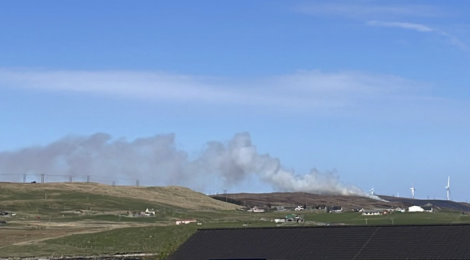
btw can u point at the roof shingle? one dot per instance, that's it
(335, 242)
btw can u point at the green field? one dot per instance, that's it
(165, 239)
(57, 221)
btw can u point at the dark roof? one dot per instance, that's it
(333, 242)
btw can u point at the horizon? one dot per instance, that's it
(228, 193)
(371, 93)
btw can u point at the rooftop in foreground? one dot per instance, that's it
(333, 242)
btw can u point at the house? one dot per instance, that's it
(420, 209)
(149, 213)
(256, 210)
(185, 221)
(329, 242)
(335, 209)
(278, 208)
(372, 212)
(429, 209)
(397, 209)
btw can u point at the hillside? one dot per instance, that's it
(95, 219)
(21, 195)
(441, 204)
(293, 199)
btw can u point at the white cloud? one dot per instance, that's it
(302, 90)
(366, 10)
(409, 26)
(451, 39)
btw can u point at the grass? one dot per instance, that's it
(153, 239)
(164, 239)
(57, 204)
(396, 218)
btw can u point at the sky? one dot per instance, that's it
(375, 91)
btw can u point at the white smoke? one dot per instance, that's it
(157, 160)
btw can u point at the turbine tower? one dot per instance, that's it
(413, 191)
(448, 188)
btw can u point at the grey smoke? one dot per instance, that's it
(158, 161)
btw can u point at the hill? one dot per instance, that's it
(95, 219)
(50, 196)
(441, 204)
(293, 199)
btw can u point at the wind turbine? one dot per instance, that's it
(448, 188)
(413, 191)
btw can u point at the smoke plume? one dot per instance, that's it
(157, 161)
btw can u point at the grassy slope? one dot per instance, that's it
(161, 234)
(99, 196)
(156, 239)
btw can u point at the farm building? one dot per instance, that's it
(333, 242)
(335, 209)
(429, 209)
(185, 221)
(256, 210)
(372, 212)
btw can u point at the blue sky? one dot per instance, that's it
(377, 90)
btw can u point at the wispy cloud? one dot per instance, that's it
(368, 10)
(301, 90)
(451, 39)
(409, 26)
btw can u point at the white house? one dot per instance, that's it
(335, 209)
(415, 209)
(372, 212)
(256, 210)
(149, 213)
(185, 221)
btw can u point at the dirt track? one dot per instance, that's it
(39, 231)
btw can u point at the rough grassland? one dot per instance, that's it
(164, 239)
(92, 219)
(175, 196)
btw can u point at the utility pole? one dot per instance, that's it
(88, 179)
(137, 183)
(70, 178)
(24, 178)
(42, 178)
(114, 183)
(225, 192)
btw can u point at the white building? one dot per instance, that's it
(256, 210)
(372, 212)
(185, 221)
(415, 209)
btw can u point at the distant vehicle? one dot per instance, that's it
(33, 182)
(299, 208)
